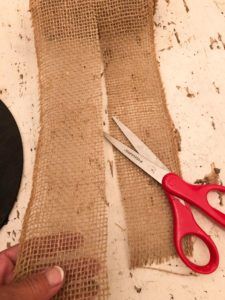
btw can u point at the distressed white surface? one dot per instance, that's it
(19, 91)
(191, 51)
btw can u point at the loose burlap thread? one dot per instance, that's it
(66, 222)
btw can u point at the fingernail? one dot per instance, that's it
(55, 276)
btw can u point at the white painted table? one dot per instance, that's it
(190, 38)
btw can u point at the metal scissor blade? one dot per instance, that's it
(140, 147)
(150, 168)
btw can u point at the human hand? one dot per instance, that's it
(41, 286)
(81, 272)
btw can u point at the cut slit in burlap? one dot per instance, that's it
(66, 221)
(136, 97)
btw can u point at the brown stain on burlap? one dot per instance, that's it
(66, 222)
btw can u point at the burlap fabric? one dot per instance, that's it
(66, 221)
(136, 96)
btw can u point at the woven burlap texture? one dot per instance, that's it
(66, 222)
(136, 96)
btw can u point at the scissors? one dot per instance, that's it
(179, 193)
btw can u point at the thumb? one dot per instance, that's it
(41, 286)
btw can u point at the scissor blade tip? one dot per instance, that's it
(115, 119)
(106, 135)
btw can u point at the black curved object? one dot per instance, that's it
(11, 162)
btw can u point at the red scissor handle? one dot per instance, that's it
(184, 222)
(195, 195)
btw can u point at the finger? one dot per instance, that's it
(42, 286)
(10, 253)
(81, 276)
(7, 263)
(78, 269)
(6, 270)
